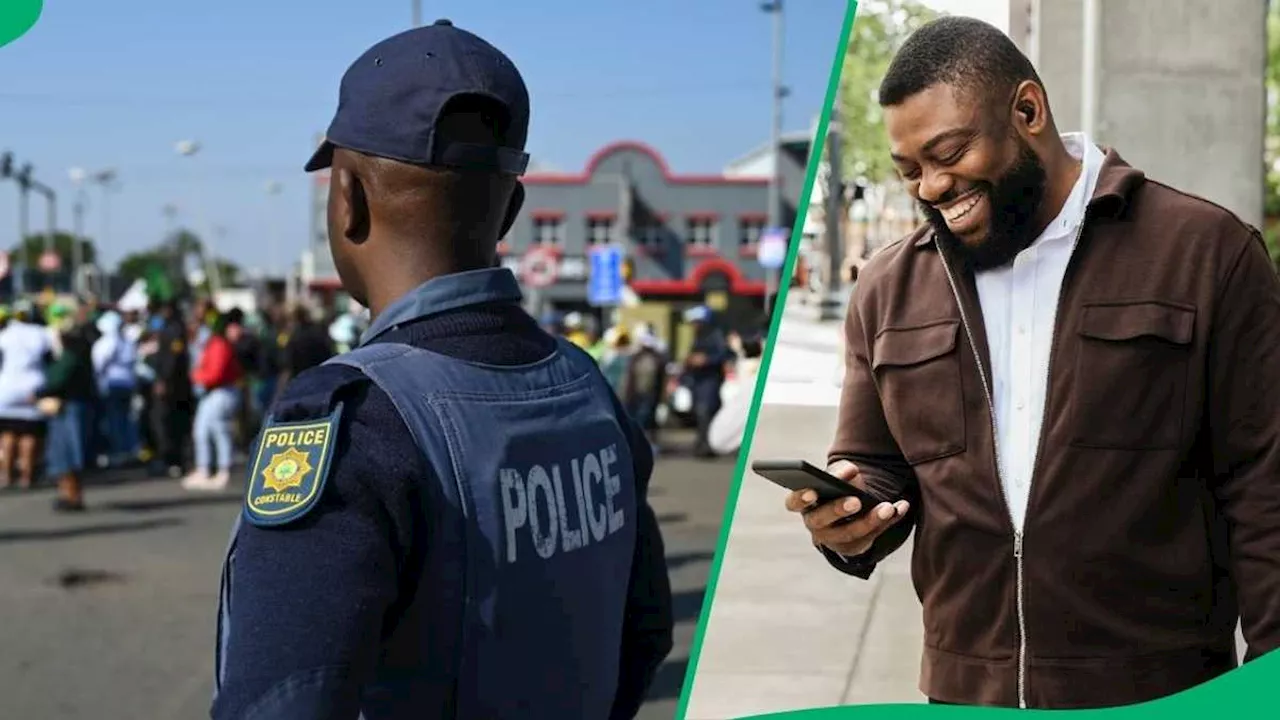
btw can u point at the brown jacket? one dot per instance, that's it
(1154, 516)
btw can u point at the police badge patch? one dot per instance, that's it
(290, 469)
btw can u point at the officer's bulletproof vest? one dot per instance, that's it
(518, 608)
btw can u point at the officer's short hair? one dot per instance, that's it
(965, 53)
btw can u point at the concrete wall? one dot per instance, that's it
(1181, 92)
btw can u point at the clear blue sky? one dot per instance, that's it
(116, 84)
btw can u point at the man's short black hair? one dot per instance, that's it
(966, 53)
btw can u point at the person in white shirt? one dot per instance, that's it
(114, 359)
(24, 350)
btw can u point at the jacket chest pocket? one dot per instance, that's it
(918, 373)
(1131, 371)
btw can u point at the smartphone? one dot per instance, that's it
(800, 475)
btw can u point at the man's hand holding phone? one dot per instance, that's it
(828, 522)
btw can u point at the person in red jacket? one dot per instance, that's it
(219, 372)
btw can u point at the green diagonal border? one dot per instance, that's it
(784, 288)
(17, 17)
(1246, 688)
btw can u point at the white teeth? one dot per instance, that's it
(960, 211)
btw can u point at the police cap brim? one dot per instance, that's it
(322, 158)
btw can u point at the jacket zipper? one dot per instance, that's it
(1020, 591)
(995, 453)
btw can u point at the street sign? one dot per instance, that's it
(50, 261)
(772, 252)
(4, 264)
(538, 268)
(604, 286)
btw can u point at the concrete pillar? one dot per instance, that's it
(1181, 90)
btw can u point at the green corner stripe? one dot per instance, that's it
(1246, 690)
(17, 17)
(784, 288)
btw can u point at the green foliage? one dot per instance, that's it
(1272, 237)
(1272, 198)
(163, 266)
(63, 245)
(880, 29)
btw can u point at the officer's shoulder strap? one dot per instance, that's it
(364, 358)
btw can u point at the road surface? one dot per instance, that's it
(110, 615)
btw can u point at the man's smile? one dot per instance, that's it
(964, 215)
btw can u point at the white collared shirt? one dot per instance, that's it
(1019, 308)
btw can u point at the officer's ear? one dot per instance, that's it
(351, 205)
(513, 208)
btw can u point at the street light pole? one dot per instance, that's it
(106, 182)
(51, 220)
(24, 229)
(273, 238)
(417, 13)
(78, 177)
(189, 148)
(775, 138)
(829, 308)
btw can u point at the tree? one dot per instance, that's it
(881, 28)
(171, 258)
(63, 245)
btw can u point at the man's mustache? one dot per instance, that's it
(952, 195)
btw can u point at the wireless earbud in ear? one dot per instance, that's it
(1028, 111)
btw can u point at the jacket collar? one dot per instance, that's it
(447, 292)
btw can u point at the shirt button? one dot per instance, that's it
(1022, 329)
(1019, 404)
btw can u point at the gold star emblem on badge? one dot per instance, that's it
(286, 470)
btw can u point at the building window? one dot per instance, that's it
(599, 231)
(649, 234)
(548, 231)
(751, 230)
(702, 232)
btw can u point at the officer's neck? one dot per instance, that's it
(395, 282)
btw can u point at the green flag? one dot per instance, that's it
(159, 287)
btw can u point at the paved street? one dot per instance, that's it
(111, 615)
(788, 632)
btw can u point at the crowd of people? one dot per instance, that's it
(182, 388)
(706, 385)
(178, 388)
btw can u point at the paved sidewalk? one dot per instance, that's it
(787, 631)
(807, 362)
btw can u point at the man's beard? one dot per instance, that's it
(1013, 201)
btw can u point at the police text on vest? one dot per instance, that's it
(559, 518)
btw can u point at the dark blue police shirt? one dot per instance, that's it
(319, 596)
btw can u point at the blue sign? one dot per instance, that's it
(605, 283)
(772, 252)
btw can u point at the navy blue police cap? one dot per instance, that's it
(392, 97)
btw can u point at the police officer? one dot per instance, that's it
(450, 520)
(705, 368)
(171, 392)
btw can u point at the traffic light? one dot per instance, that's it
(24, 176)
(6, 165)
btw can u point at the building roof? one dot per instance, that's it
(795, 145)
